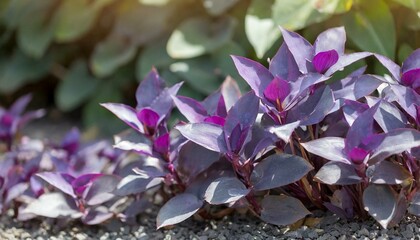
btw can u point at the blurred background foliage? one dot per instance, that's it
(74, 54)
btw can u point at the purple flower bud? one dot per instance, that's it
(411, 78)
(357, 155)
(7, 119)
(324, 60)
(216, 120)
(148, 117)
(277, 91)
(161, 144)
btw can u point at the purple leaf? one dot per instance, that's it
(283, 65)
(101, 189)
(395, 142)
(415, 204)
(412, 62)
(71, 141)
(133, 141)
(337, 173)
(210, 102)
(230, 92)
(97, 215)
(408, 99)
(178, 209)
(331, 148)
(392, 67)
(386, 172)
(81, 183)
(279, 170)
(163, 104)
(388, 116)
(125, 113)
(346, 60)
(149, 89)
(190, 108)
(284, 131)
(15, 191)
(20, 104)
(255, 74)
(333, 38)
(148, 117)
(300, 87)
(207, 135)
(299, 47)
(194, 159)
(244, 112)
(324, 60)
(225, 190)
(380, 202)
(282, 210)
(355, 88)
(134, 184)
(62, 181)
(361, 128)
(53, 205)
(412, 79)
(352, 110)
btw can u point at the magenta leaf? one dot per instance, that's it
(148, 117)
(357, 155)
(215, 120)
(161, 144)
(178, 209)
(324, 60)
(225, 190)
(276, 92)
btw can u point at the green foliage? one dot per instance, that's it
(92, 42)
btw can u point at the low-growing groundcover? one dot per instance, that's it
(300, 140)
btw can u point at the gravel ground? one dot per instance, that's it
(324, 225)
(230, 227)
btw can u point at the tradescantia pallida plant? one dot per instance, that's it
(299, 140)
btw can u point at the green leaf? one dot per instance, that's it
(96, 116)
(404, 51)
(111, 54)
(198, 73)
(333, 6)
(258, 23)
(75, 17)
(371, 27)
(35, 32)
(413, 4)
(154, 2)
(224, 64)
(197, 36)
(76, 87)
(20, 69)
(218, 7)
(13, 12)
(296, 14)
(153, 55)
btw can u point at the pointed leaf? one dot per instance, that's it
(53, 205)
(380, 202)
(387, 172)
(415, 204)
(61, 181)
(225, 190)
(192, 110)
(230, 92)
(337, 173)
(178, 209)
(279, 170)
(284, 131)
(133, 141)
(207, 135)
(300, 48)
(134, 184)
(101, 189)
(125, 113)
(395, 142)
(282, 210)
(284, 65)
(330, 148)
(255, 74)
(331, 39)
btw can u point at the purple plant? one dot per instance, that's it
(294, 143)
